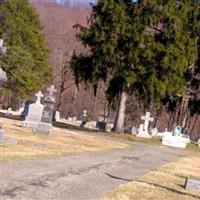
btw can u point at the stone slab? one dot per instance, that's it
(45, 128)
(175, 141)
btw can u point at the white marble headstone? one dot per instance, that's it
(34, 113)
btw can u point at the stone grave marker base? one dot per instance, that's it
(45, 128)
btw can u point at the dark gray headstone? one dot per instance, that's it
(192, 184)
(101, 126)
(26, 109)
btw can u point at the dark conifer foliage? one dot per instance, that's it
(26, 61)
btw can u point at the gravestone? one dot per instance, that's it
(45, 126)
(109, 127)
(175, 140)
(9, 111)
(101, 126)
(192, 184)
(56, 116)
(84, 118)
(143, 128)
(34, 113)
(26, 109)
(90, 124)
(198, 142)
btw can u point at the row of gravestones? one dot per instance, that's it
(40, 116)
(170, 138)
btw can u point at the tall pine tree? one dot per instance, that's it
(26, 61)
(143, 47)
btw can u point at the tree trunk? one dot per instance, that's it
(119, 125)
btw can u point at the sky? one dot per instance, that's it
(74, 2)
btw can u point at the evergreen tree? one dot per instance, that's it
(26, 61)
(143, 47)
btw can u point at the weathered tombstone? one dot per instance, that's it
(34, 113)
(192, 184)
(143, 128)
(198, 142)
(45, 126)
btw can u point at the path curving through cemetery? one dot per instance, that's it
(81, 177)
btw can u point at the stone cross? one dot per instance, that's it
(147, 119)
(51, 90)
(39, 95)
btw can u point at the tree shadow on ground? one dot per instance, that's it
(9, 116)
(115, 177)
(156, 185)
(63, 125)
(170, 189)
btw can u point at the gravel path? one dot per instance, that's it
(81, 177)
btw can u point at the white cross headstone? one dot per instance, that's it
(147, 119)
(39, 95)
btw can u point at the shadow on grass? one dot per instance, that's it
(115, 177)
(169, 189)
(156, 185)
(73, 127)
(9, 116)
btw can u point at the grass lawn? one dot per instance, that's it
(166, 183)
(63, 142)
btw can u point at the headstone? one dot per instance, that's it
(57, 116)
(34, 113)
(84, 118)
(143, 128)
(109, 127)
(192, 184)
(174, 140)
(26, 109)
(9, 111)
(74, 119)
(178, 130)
(154, 131)
(45, 126)
(198, 142)
(90, 124)
(101, 126)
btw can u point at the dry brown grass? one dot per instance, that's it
(63, 142)
(167, 183)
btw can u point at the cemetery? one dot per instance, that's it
(99, 100)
